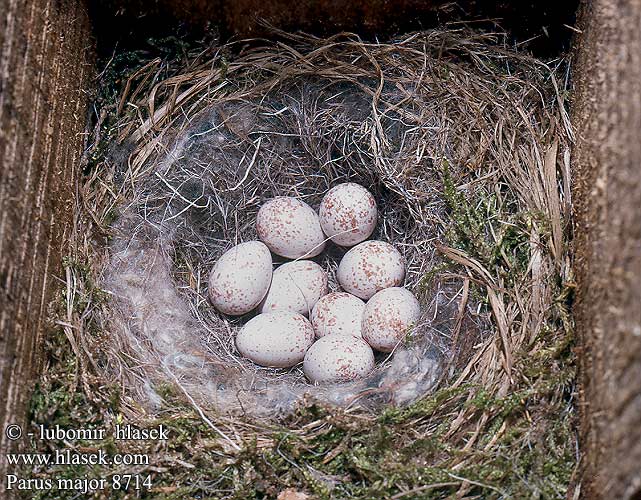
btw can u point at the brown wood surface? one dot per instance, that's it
(544, 22)
(45, 69)
(607, 194)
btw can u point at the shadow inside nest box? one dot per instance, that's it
(544, 26)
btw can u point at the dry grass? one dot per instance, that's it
(465, 144)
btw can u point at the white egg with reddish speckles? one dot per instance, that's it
(338, 358)
(338, 313)
(388, 316)
(370, 267)
(240, 278)
(277, 339)
(290, 228)
(348, 214)
(296, 286)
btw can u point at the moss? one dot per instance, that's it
(425, 407)
(89, 293)
(497, 236)
(431, 275)
(374, 459)
(468, 228)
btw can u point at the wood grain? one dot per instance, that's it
(607, 190)
(45, 68)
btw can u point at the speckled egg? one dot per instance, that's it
(387, 317)
(338, 313)
(276, 339)
(348, 214)
(241, 277)
(370, 267)
(338, 358)
(290, 228)
(296, 286)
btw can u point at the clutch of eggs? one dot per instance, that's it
(346, 328)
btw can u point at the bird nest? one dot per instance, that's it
(462, 140)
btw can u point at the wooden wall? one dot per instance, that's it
(607, 197)
(45, 71)
(543, 22)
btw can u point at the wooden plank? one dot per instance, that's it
(607, 194)
(46, 63)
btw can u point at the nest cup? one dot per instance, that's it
(425, 123)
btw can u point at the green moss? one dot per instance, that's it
(468, 220)
(497, 236)
(425, 407)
